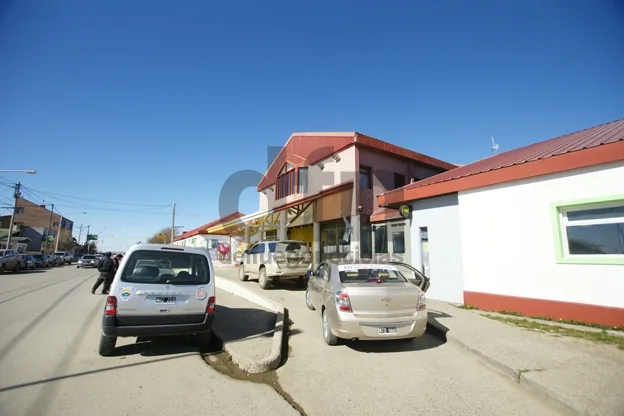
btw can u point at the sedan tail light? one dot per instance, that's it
(343, 302)
(422, 301)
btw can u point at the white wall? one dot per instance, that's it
(202, 240)
(509, 245)
(441, 217)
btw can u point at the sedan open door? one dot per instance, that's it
(413, 275)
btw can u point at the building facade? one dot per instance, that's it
(39, 225)
(320, 189)
(538, 230)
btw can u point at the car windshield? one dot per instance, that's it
(370, 273)
(288, 247)
(88, 257)
(166, 267)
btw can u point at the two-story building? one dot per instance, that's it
(321, 189)
(38, 226)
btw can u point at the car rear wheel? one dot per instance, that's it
(2, 268)
(241, 273)
(203, 340)
(263, 281)
(308, 300)
(17, 268)
(107, 345)
(330, 339)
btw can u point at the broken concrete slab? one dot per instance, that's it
(250, 326)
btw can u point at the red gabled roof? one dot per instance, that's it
(305, 149)
(600, 144)
(202, 229)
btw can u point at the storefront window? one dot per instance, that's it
(398, 241)
(381, 239)
(332, 244)
(366, 237)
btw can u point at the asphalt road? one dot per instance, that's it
(424, 376)
(49, 331)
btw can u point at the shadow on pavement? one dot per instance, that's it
(158, 346)
(31, 271)
(233, 324)
(425, 342)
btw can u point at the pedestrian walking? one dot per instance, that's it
(117, 261)
(106, 267)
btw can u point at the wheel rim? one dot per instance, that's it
(308, 297)
(241, 272)
(262, 277)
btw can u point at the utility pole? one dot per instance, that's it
(49, 225)
(173, 224)
(87, 240)
(58, 237)
(16, 196)
(79, 234)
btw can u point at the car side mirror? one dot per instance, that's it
(309, 274)
(246, 252)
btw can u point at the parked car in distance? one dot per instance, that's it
(42, 260)
(66, 256)
(272, 261)
(28, 262)
(9, 261)
(185, 290)
(76, 257)
(88, 260)
(57, 260)
(368, 301)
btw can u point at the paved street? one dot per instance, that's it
(49, 330)
(370, 378)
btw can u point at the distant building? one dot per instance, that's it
(32, 221)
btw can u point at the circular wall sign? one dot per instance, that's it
(405, 211)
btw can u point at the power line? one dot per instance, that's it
(54, 195)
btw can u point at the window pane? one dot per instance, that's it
(398, 241)
(381, 239)
(303, 180)
(596, 239)
(366, 237)
(365, 178)
(596, 214)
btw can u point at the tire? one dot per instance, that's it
(263, 280)
(328, 337)
(77, 267)
(241, 273)
(308, 300)
(2, 268)
(107, 345)
(203, 340)
(302, 281)
(17, 268)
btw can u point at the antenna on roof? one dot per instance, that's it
(494, 146)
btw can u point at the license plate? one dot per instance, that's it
(387, 330)
(166, 299)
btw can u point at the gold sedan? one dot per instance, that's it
(368, 301)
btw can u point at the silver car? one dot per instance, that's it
(368, 301)
(88, 260)
(160, 290)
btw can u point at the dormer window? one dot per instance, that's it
(290, 181)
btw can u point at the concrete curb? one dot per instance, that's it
(271, 361)
(545, 392)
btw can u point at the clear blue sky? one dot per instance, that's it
(156, 102)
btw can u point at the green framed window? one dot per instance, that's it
(589, 231)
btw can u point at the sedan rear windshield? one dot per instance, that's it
(370, 274)
(88, 257)
(166, 267)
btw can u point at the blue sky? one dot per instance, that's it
(146, 102)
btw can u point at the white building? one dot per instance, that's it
(537, 230)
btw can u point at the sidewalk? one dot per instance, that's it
(246, 330)
(582, 376)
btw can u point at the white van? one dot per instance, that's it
(160, 290)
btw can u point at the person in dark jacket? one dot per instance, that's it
(106, 267)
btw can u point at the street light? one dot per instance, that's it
(29, 171)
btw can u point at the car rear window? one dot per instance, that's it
(166, 267)
(370, 273)
(88, 257)
(288, 248)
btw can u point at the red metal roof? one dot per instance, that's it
(305, 149)
(202, 229)
(585, 139)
